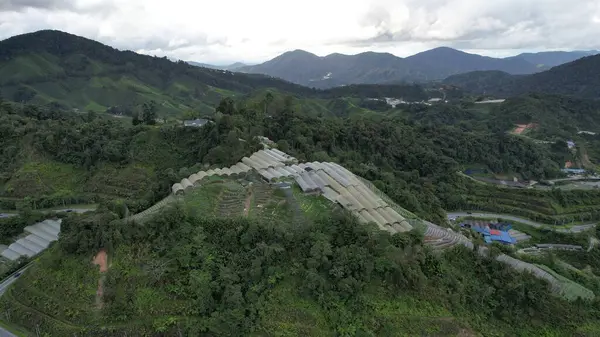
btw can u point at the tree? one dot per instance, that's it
(267, 101)
(149, 110)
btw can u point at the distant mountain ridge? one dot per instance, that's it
(580, 78)
(232, 67)
(336, 69)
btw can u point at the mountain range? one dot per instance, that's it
(333, 70)
(580, 78)
(231, 67)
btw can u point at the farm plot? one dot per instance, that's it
(312, 206)
(232, 198)
(269, 203)
(203, 201)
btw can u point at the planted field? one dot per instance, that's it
(313, 207)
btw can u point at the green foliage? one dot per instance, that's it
(187, 275)
(61, 158)
(12, 226)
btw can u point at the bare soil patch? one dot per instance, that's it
(101, 259)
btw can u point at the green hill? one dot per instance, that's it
(211, 266)
(74, 72)
(578, 78)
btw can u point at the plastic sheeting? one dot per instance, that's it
(186, 183)
(177, 187)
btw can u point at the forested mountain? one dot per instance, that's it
(580, 78)
(337, 69)
(75, 72)
(70, 72)
(549, 59)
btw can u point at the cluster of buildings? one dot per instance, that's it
(498, 232)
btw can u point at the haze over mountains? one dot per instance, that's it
(308, 69)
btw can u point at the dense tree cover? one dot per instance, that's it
(578, 79)
(413, 158)
(13, 226)
(182, 275)
(78, 157)
(555, 116)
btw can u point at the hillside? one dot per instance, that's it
(549, 59)
(74, 72)
(56, 159)
(579, 78)
(379, 68)
(242, 257)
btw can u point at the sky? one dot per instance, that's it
(227, 31)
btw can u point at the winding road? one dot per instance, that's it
(574, 229)
(4, 286)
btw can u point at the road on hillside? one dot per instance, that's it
(67, 210)
(574, 229)
(3, 287)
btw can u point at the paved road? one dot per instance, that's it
(68, 210)
(3, 287)
(495, 215)
(574, 229)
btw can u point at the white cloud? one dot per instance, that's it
(231, 30)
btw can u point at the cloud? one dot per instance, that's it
(20, 5)
(506, 24)
(238, 30)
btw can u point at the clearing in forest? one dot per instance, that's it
(521, 128)
(101, 259)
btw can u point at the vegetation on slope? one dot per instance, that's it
(50, 158)
(578, 79)
(190, 275)
(70, 72)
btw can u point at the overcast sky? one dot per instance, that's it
(224, 31)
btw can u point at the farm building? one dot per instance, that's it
(492, 232)
(196, 123)
(331, 180)
(39, 238)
